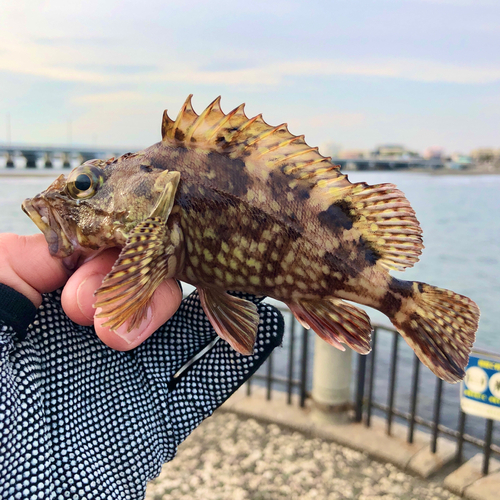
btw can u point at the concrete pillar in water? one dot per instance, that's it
(9, 161)
(31, 158)
(47, 160)
(66, 159)
(331, 391)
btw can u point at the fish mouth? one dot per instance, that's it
(62, 241)
(55, 230)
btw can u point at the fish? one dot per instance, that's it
(229, 203)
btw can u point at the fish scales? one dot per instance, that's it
(225, 202)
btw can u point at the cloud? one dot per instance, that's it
(407, 69)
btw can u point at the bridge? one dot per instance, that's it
(67, 156)
(388, 163)
(33, 153)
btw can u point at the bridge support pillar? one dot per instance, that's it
(331, 392)
(9, 161)
(47, 158)
(30, 158)
(66, 159)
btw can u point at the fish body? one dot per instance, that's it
(225, 202)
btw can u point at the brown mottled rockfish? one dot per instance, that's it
(225, 202)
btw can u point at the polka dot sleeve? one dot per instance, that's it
(79, 420)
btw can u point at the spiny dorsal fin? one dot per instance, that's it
(252, 139)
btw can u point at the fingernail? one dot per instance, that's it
(85, 294)
(137, 332)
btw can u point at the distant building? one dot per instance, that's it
(434, 153)
(395, 151)
(485, 155)
(353, 154)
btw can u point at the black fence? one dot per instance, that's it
(389, 382)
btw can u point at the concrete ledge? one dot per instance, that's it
(468, 480)
(416, 457)
(425, 463)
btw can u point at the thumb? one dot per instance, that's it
(78, 299)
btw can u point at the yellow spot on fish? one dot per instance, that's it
(233, 265)
(206, 269)
(240, 280)
(221, 258)
(262, 247)
(269, 281)
(208, 256)
(274, 255)
(270, 267)
(279, 280)
(229, 277)
(301, 285)
(195, 260)
(224, 246)
(289, 279)
(266, 235)
(209, 233)
(254, 280)
(218, 273)
(238, 254)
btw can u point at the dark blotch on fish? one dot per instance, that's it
(338, 215)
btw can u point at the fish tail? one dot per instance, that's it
(438, 324)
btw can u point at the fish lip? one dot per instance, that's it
(51, 225)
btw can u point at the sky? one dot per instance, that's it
(354, 73)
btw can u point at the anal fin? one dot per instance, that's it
(336, 322)
(235, 320)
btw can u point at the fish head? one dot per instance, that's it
(94, 207)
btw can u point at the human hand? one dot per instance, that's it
(27, 266)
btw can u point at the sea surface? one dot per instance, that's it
(460, 218)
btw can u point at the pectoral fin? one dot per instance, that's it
(235, 320)
(336, 322)
(148, 258)
(166, 184)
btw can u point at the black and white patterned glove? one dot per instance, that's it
(79, 420)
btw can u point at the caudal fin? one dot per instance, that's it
(440, 326)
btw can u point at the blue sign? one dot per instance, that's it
(480, 390)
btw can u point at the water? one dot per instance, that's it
(460, 218)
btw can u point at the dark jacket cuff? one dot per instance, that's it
(16, 310)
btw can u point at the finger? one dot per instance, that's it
(165, 302)
(27, 266)
(78, 294)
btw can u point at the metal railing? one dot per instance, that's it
(371, 387)
(288, 383)
(366, 380)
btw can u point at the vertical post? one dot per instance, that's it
(269, 377)
(371, 381)
(392, 382)
(303, 367)
(291, 354)
(414, 397)
(437, 415)
(360, 387)
(487, 446)
(460, 442)
(331, 381)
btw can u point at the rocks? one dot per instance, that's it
(240, 459)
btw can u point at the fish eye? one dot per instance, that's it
(84, 182)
